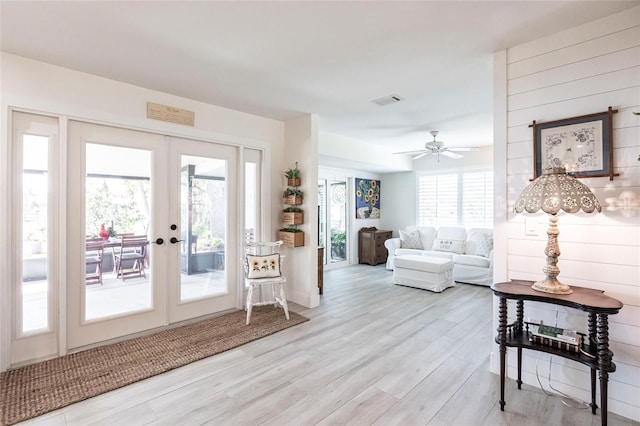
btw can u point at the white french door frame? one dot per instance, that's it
(165, 277)
(57, 342)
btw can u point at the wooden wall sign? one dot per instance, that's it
(170, 114)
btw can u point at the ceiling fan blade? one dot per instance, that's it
(419, 151)
(450, 154)
(421, 155)
(464, 149)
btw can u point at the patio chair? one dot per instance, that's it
(94, 250)
(131, 258)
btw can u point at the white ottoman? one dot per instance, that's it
(429, 273)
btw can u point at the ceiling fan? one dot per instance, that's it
(437, 147)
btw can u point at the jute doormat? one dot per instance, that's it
(36, 389)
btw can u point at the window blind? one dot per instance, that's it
(463, 198)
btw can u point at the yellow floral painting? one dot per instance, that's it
(367, 198)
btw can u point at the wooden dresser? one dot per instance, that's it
(371, 247)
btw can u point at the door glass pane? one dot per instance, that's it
(117, 218)
(35, 229)
(203, 227)
(251, 202)
(337, 200)
(322, 217)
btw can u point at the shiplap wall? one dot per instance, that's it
(580, 71)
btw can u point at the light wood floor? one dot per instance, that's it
(372, 354)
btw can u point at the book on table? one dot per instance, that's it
(559, 338)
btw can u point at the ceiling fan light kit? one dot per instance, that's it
(437, 147)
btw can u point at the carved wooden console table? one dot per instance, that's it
(594, 353)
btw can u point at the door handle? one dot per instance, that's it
(159, 241)
(174, 240)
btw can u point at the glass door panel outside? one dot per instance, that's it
(250, 202)
(322, 217)
(252, 191)
(203, 183)
(117, 196)
(35, 230)
(338, 220)
(203, 225)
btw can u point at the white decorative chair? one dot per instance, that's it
(263, 269)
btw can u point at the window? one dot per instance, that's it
(252, 191)
(462, 198)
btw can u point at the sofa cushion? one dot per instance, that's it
(454, 246)
(410, 240)
(484, 247)
(427, 235)
(471, 260)
(479, 241)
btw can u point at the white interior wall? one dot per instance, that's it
(301, 265)
(579, 71)
(499, 184)
(399, 202)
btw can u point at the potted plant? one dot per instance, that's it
(293, 176)
(292, 196)
(292, 216)
(291, 237)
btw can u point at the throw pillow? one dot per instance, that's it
(263, 266)
(410, 240)
(484, 246)
(454, 246)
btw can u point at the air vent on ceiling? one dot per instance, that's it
(391, 99)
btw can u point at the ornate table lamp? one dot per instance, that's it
(555, 190)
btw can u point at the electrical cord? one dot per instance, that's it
(566, 400)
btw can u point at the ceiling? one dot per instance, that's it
(283, 59)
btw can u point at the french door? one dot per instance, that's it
(178, 197)
(75, 201)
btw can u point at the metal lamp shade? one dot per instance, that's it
(551, 193)
(555, 190)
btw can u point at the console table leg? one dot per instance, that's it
(519, 330)
(520, 315)
(519, 368)
(502, 332)
(592, 341)
(604, 363)
(593, 404)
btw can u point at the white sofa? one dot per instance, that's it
(470, 249)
